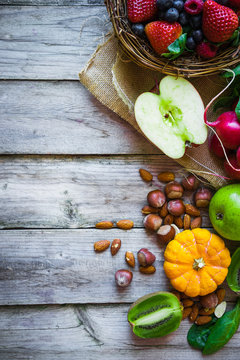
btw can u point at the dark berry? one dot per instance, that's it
(196, 21)
(138, 29)
(193, 7)
(178, 4)
(190, 43)
(171, 15)
(197, 36)
(206, 50)
(183, 18)
(161, 15)
(222, 2)
(164, 4)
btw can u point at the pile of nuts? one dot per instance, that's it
(166, 212)
(199, 309)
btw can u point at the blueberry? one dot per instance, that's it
(164, 4)
(183, 18)
(222, 2)
(138, 29)
(196, 21)
(178, 4)
(197, 36)
(171, 15)
(190, 43)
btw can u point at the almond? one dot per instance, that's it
(186, 312)
(186, 221)
(125, 224)
(187, 303)
(101, 245)
(147, 269)
(164, 211)
(115, 246)
(191, 210)
(178, 221)
(202, 320)
(194, 313)
(220, 295)
(146, 210)
(206, 311)
(104, 225)
(196, 223)
(145, 175)
(130, 259)
(166, 176)
(177, 294)
(168, 220)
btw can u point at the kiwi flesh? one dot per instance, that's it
(155, 315)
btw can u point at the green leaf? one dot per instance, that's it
(237, 110)
(225, 101)
(236, 70)
(232, 276)
(223, 330)
(198, 334)
(177, 47)
(235, 38)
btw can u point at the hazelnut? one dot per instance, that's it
(202, 197)
(166, 233)
(156, 198)
(190, 183)
(123, 277)
(145, 257)
(174, 190)
(209, 301)
(176, 207)
(152, 222)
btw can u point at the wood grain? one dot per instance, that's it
(58, 267)
(49, 42)
(77, 192)
(62, 118)
(52, 2)
(94, 332)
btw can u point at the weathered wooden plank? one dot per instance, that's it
(94, 332)
(62, 118)
(58, 267)
(49, 42)
(52, 2)
(76, 192)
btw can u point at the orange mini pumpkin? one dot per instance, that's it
(196, 262)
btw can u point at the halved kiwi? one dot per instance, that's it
(233, 277)
(155, 315)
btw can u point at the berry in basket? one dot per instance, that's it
(174, 27)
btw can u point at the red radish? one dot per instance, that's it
(216, 147)
(228, 129)
(233, 172)
(238, 156)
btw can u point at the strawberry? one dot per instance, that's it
(161, 34)
(219, 22)
(141, 10)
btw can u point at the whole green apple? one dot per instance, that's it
(224, 211)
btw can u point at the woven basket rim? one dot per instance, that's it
(142, 54)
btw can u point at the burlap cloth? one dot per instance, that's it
(116, 81)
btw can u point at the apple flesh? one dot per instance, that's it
(224, 211)
(173, 119)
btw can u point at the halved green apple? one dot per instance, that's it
(174, 118)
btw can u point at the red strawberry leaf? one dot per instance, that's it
(176, 48)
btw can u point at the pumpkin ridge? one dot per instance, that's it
(187, 247)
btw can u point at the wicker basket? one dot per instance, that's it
(187, 65)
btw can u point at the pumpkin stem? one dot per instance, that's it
(198, 264)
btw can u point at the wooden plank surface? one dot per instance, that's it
(58, 267)
(77, 192)
(92, 332)
(49, 42)
(52, 2)
(39, 117)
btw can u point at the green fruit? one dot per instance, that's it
(155, 315)
(224, 211)
(233, 272)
